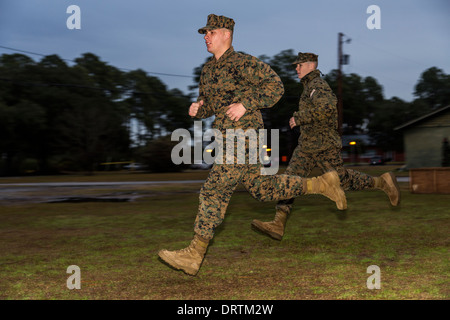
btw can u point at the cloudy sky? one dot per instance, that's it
(161, 37)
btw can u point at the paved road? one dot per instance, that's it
(38, 192)
(73, 191)
(95, 183)
(114, 183)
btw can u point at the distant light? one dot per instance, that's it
(209, 150)
(352, 143)
(264, 146)
(269, 149)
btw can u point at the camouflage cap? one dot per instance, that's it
(217, 22)
(305, 57)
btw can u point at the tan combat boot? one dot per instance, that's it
(274, 228)
(188, 259)
(388, 183)
(329, 186)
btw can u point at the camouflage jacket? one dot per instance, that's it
(237, 78)
(317, 115)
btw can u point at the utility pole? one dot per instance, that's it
(342, 59)
(339, 80)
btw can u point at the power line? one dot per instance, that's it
(70, 85)
(124, 69)
(29, 52)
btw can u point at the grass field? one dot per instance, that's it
(324, 255)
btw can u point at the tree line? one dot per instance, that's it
(56, 117)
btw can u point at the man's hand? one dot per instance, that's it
(193, 109)
(292, 123)
(235, 111)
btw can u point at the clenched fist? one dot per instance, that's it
(193, 109)
(292, 123)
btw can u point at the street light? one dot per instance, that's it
(353, 154)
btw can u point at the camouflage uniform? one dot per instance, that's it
(319, 144)
(237, 78)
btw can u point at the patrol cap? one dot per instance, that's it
(305, 57)
(217, 22)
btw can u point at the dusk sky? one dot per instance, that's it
(162, 37)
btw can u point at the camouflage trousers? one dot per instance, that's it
(302, 163)
(223, 180)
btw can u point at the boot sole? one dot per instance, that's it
(392, 183)
(167, 259)
(259, 228)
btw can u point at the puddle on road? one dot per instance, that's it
(91, 199)
(21, 195)
(14, 195)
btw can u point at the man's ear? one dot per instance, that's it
(227, 34)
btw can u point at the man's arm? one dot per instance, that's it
(264, 87)
(324, 102)
(202, 108)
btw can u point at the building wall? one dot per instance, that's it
(423, 145)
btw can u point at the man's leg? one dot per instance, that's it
(283, 187)
(217, 191)
(350, 179)
(213, 201)
(215, 196)
(300, 165)
(354, 180)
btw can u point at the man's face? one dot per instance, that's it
(216, 40)
(304, 68)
